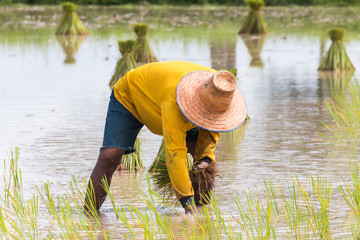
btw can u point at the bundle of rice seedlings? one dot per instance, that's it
(132, 161)
(254, 44)
(126, 62)
(142, 51)
(336, 82)
(203, 182)
(336, 57)
(70, 23)
(160, 174)
(254, 22)
(70, 45)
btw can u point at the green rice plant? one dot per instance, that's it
(307, 211)
(295, 214)
(351, 194)
(148, 222)
(19, 217)
(126, 62)
(70, 23)
(66, 212)
(160, 174)
(142, 50)
(344, 110)
(132, 161)
(70, 45)
(336, 57)
(254, 22)
(66, 219)
(257, 218)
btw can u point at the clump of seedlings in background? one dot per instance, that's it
(143, 51)
(132, 161)
(336, 57)
(254, 22)
(126, 62)
(70, 23)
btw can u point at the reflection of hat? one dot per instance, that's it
(211, 100)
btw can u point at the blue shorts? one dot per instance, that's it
(122, 128)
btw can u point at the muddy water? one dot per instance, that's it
(53, 99)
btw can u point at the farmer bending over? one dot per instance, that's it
(188, 104)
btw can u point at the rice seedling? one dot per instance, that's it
(299, 212)
(66, 219)
(70, 45)
(132, 161)
(160, 174)
(254, 22)
(336, 57)
(351, 194)
(254, 44)
(126, 62)
(70, 23)
(344, 110)
(142, 50)
(257, 220)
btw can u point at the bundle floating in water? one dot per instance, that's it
(336, 57)
(126, 62)
(254, 22)
(132, 161)
(70, 45)
(160, 174)
(142, 51)
(70, 23)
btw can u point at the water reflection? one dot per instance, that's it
(336, 81)
(254, 44)
(229, 141)
(222, 51)
(70, 45)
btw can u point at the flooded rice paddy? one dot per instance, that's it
(54, 93)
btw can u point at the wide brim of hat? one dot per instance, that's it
(197, 113)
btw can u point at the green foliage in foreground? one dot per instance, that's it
(344, 109)
(299, 212)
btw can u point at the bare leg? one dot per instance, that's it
(106, 164)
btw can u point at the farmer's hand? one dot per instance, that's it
(201, 165)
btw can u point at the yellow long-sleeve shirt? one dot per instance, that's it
(149, 93)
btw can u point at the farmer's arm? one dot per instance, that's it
(205, 145)
(174, 132)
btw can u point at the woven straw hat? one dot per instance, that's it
(211, 100)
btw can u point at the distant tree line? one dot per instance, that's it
(186, 2)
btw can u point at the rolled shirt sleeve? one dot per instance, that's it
(206, 144)
(175, 127)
